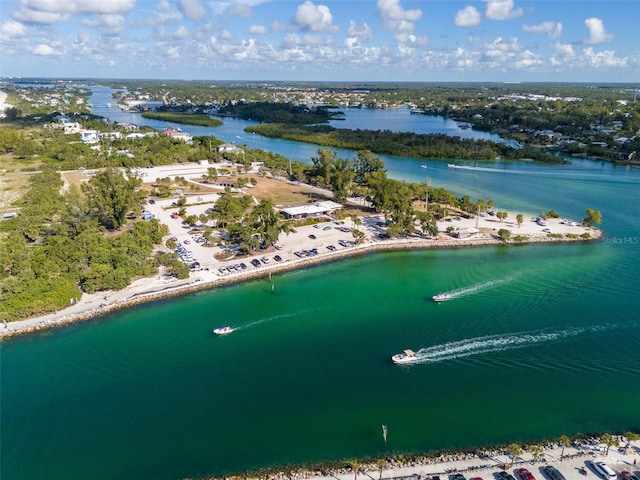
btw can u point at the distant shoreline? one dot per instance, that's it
(153, 290)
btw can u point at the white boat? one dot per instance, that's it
(452, 165)
(408, 356)
(223, 330)
(441, 297)
(423, 166)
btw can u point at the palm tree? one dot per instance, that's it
(565, 442)
(609, 440)
(514, 450)
(630, 436)
(519, 219)
(381, 464)
(536, 451)
(355, 466)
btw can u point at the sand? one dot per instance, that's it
(326, 234)
(486, 464)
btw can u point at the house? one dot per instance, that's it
(317, 209)
(465, 233)
(71, 127)
(228, 147)
(89, 136)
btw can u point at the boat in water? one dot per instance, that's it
(452, 165)
(408, 356)
(424, 166)
(441, 297)
(223, 330)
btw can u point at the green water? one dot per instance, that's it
(540, 341)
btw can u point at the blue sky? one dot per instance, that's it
(341, 40)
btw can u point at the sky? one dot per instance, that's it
(323, 40)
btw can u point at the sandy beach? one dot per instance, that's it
(485, 464)
(327, 238)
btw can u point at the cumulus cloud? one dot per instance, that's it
(361, 32)
(597, 33)
(50, 11)
(257, 29)
(553, 29)
(44, 50)
(192, 9)
(397, 19)
(109, 25)
(314, 18)
(502, 10)
(467, 17)
(12, 30)
(181, 33)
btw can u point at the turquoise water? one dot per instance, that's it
(541, 340)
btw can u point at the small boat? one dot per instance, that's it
(408, 356)
(223, 330)
(452, 165)
(423, 166)
(441, 297)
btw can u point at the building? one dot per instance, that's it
(228, 147)
(465, 233)
(89, 136)
(317, 209)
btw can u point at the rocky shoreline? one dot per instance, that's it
(140, 293)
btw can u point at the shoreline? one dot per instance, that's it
(569, 459)
(137, 294)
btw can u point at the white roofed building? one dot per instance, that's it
(317, 209)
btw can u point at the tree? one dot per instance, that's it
(609, 441)
(381, 464)
(565, 441)
(593, 217)
(266, 221)
(514, 450)
(504, 234)
(502, 215)
(536, 451)
(519, 219)
(630, 436)
(111, 195)
(366, 164)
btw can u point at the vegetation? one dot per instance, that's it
(57, 248)
(184, 118)
(593, 217)
(406, 144)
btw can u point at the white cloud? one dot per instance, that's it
(467, 17)
(181, 33)
(12, 30)
(257, 29)
(109, 25)
(597, 33)
(397, 19)
(360, 32)
(502, 10)
(51, 11)
(553, 29)
(314, 18)
(44, 50)
(192, 9)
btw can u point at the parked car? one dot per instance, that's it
(312, 236)
(502, 475)
(628, 475)
(553, 473)
(525, 474)
(457, 476)
(604, 470)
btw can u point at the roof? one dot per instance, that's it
(316, 208)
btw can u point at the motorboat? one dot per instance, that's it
(423, 166)
(408, 356)
(452, 165)
(223, 330)
(441, 297)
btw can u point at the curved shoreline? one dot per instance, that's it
(135, 295)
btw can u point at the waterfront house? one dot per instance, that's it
(317, 209)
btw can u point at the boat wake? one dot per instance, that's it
(269, 319)
(491, 343)
(463, 292)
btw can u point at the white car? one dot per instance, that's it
(604, 470)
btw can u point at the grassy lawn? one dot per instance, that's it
(13, 180)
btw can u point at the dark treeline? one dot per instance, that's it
(405, 144)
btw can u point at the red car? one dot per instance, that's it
(525, 474)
